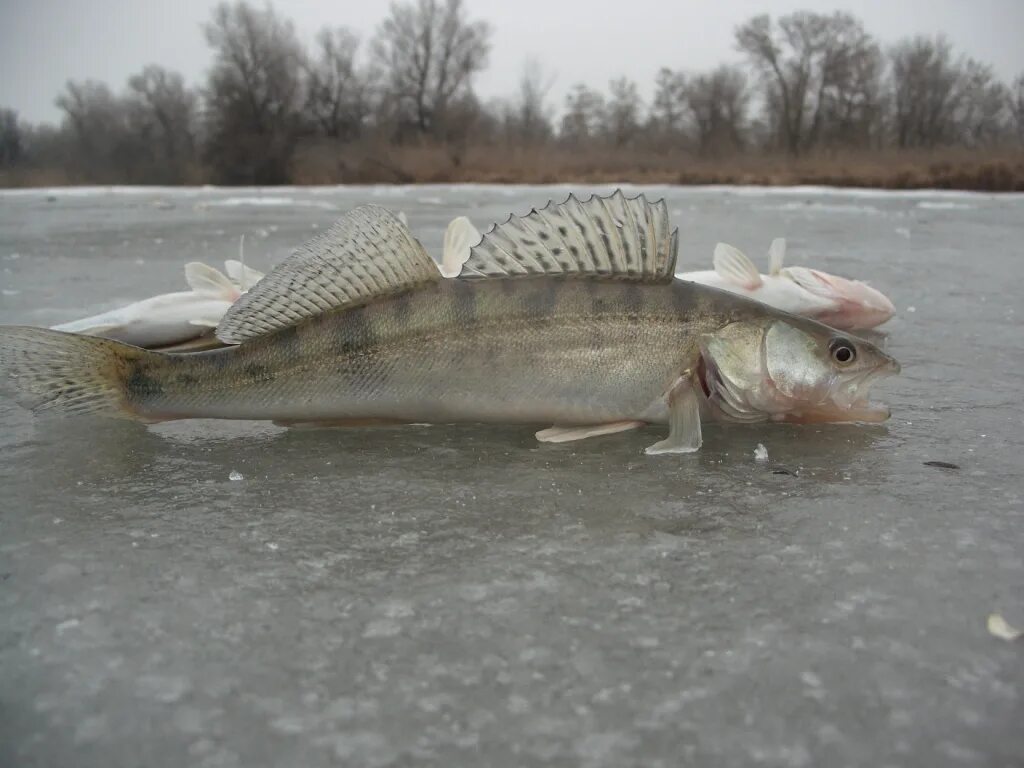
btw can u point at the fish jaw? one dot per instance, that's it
(857, 409)
(848, 402)
(858, 306)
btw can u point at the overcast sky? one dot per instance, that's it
(45, 42)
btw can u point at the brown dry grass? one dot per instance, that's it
(364, 163)
(990, 170)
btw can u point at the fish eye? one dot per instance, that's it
(842, 351)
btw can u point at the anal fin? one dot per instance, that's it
(684, 434)
(336, 423)
(557, 434)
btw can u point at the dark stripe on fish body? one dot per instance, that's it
(464, 299)
(354, 334)
(287, 341)
(596, 301)
(543, 297)
(401, 307)
(682, 300)
(256, 372)
(142, 384)
(632, 299)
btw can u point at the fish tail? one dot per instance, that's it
(47, 370)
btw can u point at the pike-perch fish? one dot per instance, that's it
(568, 316)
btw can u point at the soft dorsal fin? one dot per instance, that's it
(776, 255)
(459, 239)
(611, 237)
(366, 254)
(202, 278)
(733, 267)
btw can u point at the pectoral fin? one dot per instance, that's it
(683, 419)
(557, 434)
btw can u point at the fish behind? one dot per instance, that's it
(569, 315)
(173, 319)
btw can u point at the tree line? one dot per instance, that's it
(802, 83)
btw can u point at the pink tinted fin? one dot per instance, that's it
(557, 434)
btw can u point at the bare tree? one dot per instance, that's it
(162, 114)
(428, 52)
(925, 89)
(983, 106)
(97, 123)
(622, 114)
(337, 97)
(806, 62)
(668, 109)
(717, 102)
(584, 114)
(528, 117)
(1017, 106)
(12, 147)
(853, 109)
(253, 94)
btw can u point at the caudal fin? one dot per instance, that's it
(49, 370)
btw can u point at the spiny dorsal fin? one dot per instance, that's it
(459, 239)
(776, 255)
(611, 237)
(734, 267)
(366, 254)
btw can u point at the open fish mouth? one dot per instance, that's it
(849, 402)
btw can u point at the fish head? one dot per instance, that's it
(791, 369)
(855, 305)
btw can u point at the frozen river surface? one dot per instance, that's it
(465, 596)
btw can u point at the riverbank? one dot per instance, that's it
(999, 170)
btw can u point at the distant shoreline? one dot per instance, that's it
(990, 171)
